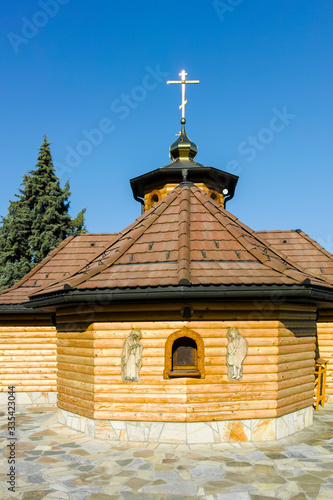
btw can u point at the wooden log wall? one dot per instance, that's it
(278, 373)
(28, 355)
(325, 345)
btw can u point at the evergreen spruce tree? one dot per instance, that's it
(37, 221)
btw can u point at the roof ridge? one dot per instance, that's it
(143, 225)
(295, 264)
(265, 259)
(99, 252)
(315, 244)
(184, 240)
(39, 265)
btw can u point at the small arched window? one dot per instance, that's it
(184, 355)
(218, 197)
(184, 358)
(153, 198)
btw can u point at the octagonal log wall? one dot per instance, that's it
(278, 372)
(325, 346)
(28, 357)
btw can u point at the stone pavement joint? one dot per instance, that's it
(55, 462)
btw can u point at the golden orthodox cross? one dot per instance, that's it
(183, 82)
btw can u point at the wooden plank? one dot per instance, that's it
(308, 401)
(74, 359)
(32, 359)
(31, 388)
(82, 377)
(84, 386)
(10, 370)
(76, 351)
(26, 352)
(76, 409)
(87, 395)
(33, 383)
(71, 367)
(81, 343)
(295, 398)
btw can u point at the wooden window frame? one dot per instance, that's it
(152, 194)
(184, 332)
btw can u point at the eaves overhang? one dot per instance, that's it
(268, 293)
(17, 309)
(173, 173)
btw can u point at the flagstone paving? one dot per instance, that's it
(54, 462)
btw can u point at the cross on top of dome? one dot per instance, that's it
(183, 83)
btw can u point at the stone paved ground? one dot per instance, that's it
(54, 462)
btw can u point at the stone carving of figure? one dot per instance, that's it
(131, 357)
(236, 353)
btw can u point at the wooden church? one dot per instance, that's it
(185, 327)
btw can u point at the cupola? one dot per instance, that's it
(151, 187)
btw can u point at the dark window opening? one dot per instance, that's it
(154, 199)
(213, 196)
(184, 358)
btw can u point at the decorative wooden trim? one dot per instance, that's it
(184, 332)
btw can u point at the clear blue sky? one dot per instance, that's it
(68, 64)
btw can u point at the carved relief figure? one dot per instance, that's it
(236, 353)
(131, 357)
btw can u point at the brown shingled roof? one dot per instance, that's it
(298, 247)
(73, 254)
(186, 238)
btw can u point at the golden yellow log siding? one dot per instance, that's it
(278, 373)
(28, 357)
(325, 345)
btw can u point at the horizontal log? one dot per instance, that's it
(297, 348)
(232, 387)
(84, 386)
(295, 398)
(27, 337)
(177, 325)
(304, 387)
(74, 360)
(200, 409)
(183, 417)
(33, 383)
(87, 395)
(10, 370)
(28, 364)
(71, 367)
(227, 399)
(284, 377)
(76, 335)
(285, 358)
(31, 388)
(78, 402)
(295, 406)
(295, 365)
(31, 358)
(76, 409)
(27, 329)
(27, 376)
(76, 351)
(82, 377)
(26, 346)
(26, 352)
